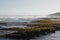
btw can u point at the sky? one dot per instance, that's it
(29, 7)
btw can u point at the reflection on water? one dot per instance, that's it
(53, 36)
(6, 32)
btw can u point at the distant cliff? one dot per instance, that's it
(54, 15)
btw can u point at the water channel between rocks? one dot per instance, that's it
(52, 36)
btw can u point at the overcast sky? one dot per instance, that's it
(29, 7)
